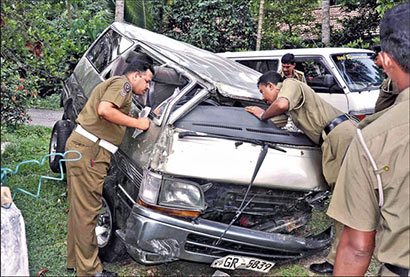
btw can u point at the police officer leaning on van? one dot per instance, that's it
(371, 197)
(101, 127)
(321, 122)
(288, 68)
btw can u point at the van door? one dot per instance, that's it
(322, 81)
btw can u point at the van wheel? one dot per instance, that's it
(61, 131)
(111, 248)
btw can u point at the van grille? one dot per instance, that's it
(128, 168)
(207, 245)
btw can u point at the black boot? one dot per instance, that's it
(323, 268)
(70, 271)
(105, 273)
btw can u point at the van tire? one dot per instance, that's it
(114, 250)
(61, 131)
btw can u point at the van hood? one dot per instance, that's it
(362, 102)
(230, 78)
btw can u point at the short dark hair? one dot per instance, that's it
(395, 34)
(376, 50)
(270, 76)
(288, 58)
(138, 66)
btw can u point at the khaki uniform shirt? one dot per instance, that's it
(280, 120)
(309, 111)
(388, 93)
(116, 90)
(311, 114)
(298, 75)
(355, 199)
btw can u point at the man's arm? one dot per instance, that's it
(354, 252)
(109, 112)
(279, 106)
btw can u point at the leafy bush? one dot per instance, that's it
(362, 30)
(38, 38)
(15, 94)
(214, 25)
(286, 21)
(42, 46)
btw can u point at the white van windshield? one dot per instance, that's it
(358, 70)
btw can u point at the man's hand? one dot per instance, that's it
(142, 123)
(256, 111)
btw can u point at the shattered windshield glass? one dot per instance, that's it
(358, 70)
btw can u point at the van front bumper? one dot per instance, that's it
(153, 237)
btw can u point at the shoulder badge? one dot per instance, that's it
(125, 89)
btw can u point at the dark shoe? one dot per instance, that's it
(105, 273)
(323, 268)
(70, 271)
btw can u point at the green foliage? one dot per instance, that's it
(214, 25)
(384, 5)
(139, 12)
(358, 43)
(285, 22)
(361, 30)
(38, 39)
(38, 44)
(15, 94)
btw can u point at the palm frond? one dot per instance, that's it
(138, 12)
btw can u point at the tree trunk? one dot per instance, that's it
(325, 22)
(68, 11)
(260, 23)
(119, 10)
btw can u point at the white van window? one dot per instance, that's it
(358, 70)
(315, 72)
(261, 65)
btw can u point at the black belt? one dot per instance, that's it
(398, 270)
(332, 124)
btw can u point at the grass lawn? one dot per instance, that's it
(46, 218)
(51, 102)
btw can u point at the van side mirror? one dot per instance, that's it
(329, 80)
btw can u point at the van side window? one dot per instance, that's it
(315, 73)
(107, 48)
(261, 65)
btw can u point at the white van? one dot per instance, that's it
(347, 78)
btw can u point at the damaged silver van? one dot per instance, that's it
(207, 182)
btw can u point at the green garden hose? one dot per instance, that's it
(5, 171)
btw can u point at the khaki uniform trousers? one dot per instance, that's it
(334, 148)
(85, 179)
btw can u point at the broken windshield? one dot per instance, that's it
(358, 70)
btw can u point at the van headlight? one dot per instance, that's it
(150, 186)
(181, 194)
(170, 192)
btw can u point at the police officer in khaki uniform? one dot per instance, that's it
(288, 68)
(320, 121)
(371, 197)
(101, 127)
(387, 96)
(388, 89)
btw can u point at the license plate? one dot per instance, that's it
(239, 262)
